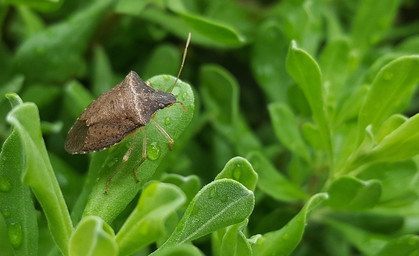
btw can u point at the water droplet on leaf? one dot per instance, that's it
(213, 193)
(167, 121)
(153, 151)
(5, 184)
(15, 235)
(224, 198)
(195, 210)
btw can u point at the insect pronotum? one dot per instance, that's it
(115, 114)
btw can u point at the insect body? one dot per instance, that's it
(129, 106)
(115, 114)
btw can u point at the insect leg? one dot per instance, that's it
(124, 159)
(163, 131)
(144, 155)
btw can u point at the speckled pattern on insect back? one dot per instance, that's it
(115, 114)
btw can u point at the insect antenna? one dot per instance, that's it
(183, 61)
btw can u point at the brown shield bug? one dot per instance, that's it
(119, 112)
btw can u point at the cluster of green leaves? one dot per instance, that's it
(307, 114)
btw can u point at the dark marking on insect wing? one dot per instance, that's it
(115, 114)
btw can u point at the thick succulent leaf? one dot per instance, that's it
(284, 240)
(38, 172)
(93, 237)
(146, 223)
(219, 204)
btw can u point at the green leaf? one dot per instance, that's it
(391, 89)
(239, 169)
(5, 246)
(146, 223)
(368, 243)
(389, 125)
(131, 7)
(76, 99)
(305, 71)
(204, 32)
(183, 249)
(268, 65)
(209, 28)
(13, 85)
(301, 21)
(371, 22)
(96, 165)
(41, 95)
(234, 242)
(59, 47)
(400, 145)
(401, 246)
(69, 179)
(33, 22)
(103, 77)
(397, 179)
(39, 175)
(14, 99)
(16, 206)
(123, 187)
(220, 92)
(284, 240)
(41, 5)
(350, 193)
(311, 134)
(165, 59)
(219, 204)
(93, 237)
(273, 182)
(335, 65)
(190, 185)
(286, 129)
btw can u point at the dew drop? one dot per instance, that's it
(153, 151)
(192, 106)
(166, 77)
(213, 193)
(224, 198)
(184, 95)
(167, 121)
(15, 235)
(5, 184)
(195, 210)
(179, 226)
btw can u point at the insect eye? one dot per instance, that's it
(161, 105)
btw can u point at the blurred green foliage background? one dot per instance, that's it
(252, 66)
